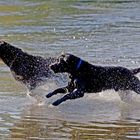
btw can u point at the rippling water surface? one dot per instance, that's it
(103, 32)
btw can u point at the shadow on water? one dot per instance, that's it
(105, 32)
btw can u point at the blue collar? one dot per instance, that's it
(79, 64)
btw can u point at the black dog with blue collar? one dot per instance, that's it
(85, 77)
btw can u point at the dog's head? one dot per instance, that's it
(66, 63)
(8, 52)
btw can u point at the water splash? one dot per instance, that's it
(129, 97)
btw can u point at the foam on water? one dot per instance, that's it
(39, 95)
(129, 97)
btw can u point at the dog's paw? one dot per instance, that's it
(49, 95)
(57, 102)
(51, 106)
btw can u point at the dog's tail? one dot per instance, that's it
(135, 71)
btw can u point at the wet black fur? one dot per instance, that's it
(28, 69)
(85, 77)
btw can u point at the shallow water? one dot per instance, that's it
(105, 32)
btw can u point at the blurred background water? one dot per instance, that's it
(103, 32)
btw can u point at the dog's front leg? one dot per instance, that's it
(70, 87)
(77, 93)
(59, 90)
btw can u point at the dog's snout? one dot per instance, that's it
(51, 66)
(54, 68)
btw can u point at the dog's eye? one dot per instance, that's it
(63, 55)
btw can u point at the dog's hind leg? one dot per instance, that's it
(73, 95)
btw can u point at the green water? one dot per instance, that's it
(103, 32)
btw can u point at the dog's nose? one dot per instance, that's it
(51, 66)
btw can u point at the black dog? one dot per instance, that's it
(86, 77)
(30, 70)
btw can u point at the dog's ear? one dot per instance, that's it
(62, 53)
(66, 57)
